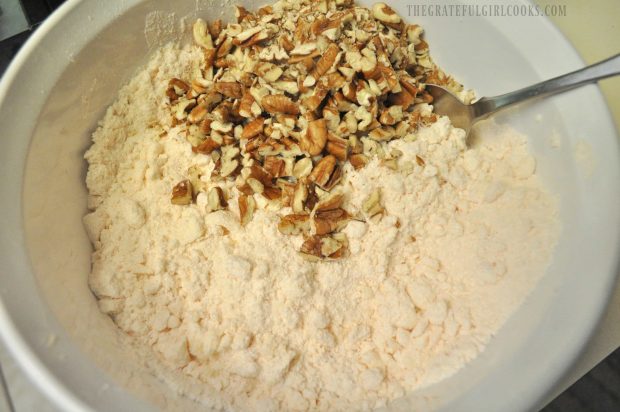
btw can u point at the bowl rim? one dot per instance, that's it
(61, 396)
(573, 353)
(30, 364)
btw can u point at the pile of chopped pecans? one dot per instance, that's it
(288, 95)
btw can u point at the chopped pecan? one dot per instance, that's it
(358, 161)
(182, 193)
(287, 192)
(382, 134)
(255, 185)
(286, 43)
(245, 105)
(313, 102)
(334, 178)
(229, 167)
(255, 127)
(223, 49)
(241, 13)
(313, 197)
(274, 165)
(302, 168)
(300, 196)
(233, 90)
(305, 59)
(279, 103)
(332, 201)
(201, 34)
(328, 221)
(247, 204)
(372, 205)
(319, 247)
(322, 24)
(311, 247)
(197, 114)
(215, 28)
(207, 146)
(259, 173)
(338, 147)
(272, 192)
(216, 199)
(315, 138)
(321, 112)
(176, 88)
(294, 224)
(209, 58)
(326, 61)
(323, 170)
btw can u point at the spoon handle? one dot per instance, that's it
(606, 68)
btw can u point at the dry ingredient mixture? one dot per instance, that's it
(279, 215)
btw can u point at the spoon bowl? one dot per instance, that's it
(464, 116)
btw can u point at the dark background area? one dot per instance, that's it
(597, 391)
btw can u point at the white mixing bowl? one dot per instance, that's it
(70, 70)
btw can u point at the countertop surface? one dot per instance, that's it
(594, 29)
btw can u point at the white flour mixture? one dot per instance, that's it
(466, 235)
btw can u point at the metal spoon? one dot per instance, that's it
(465, 115)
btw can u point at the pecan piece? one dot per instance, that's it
(322, 24)
(201, 34)
(333, 201)
(323, 171)
(233, 90)
(338, 147)
(334, 178)
(209, 58)
(372, 205)
(329, 221)
(241, 13)
(313, 197)
(216, 199)
(286, 44)
(247, 204)
(382, 134)
(223, 49)
(255, 185)
(302, 168)
(197, 114)
(358, 160)
(311, 247)
(176, 88)
(279, 103)
(326, 61)
(206, 147)
(287, 192)
(274, 165)
(260, 174)
(215, 28)
(315, 138)
(313, 102)
(294, 224)
(230, 167)
(246, 105)
(254, 128)
(317, 247)
(300, 196)
(385, 13)
(272, 192)
(182, 193)
(334, 246)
